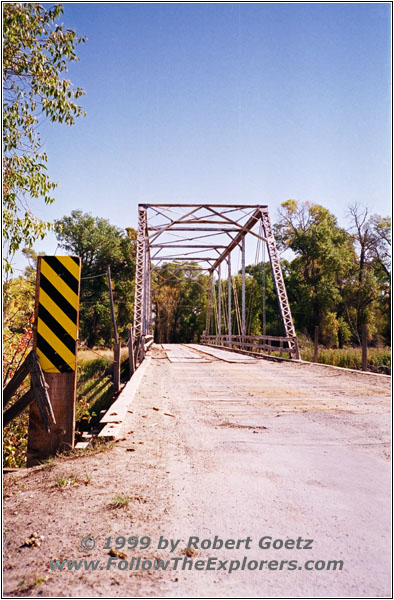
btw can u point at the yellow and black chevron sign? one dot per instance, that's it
(57, 317)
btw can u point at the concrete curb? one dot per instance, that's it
(116, 414)
(305, 362)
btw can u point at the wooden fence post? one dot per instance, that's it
(296, 349)
(117, 348)
(316, 344)
(141, 349)
(364, 357)
(116, 367)
(55, 337)
(130, 345)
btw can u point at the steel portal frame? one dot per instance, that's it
(204, 234)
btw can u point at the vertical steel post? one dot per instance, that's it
(146, 292)
(209, 306)
(229, 298)
(219, 302)
(213, 301)
(264, 292)
(149, 295)
(243, 329)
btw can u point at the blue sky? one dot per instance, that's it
(225, 103)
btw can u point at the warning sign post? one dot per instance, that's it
(55, 342)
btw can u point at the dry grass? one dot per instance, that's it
(120, 501)
(64, 481)
(85, 354)
(379, 359)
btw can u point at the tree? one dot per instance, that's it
(372, 235)
(36, 52)
(370, 293)
(261, 277)
(319, 273)
(381, 251)
(179, 298)
(100, 244)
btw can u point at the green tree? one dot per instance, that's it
(100, 244)
(179, 298)
(36, 52)
(19, 299)
(368, 298)
(381, 251)
(261, 282)
(321, 270)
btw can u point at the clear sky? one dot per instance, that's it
(225, 103)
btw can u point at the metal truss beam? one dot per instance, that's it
(280, 287)
(238, 238)
(184, 246)
(177, 229)
(213, 229)
(231, 206)
(142, 294)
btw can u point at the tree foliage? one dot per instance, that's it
(36, 53)
(18, 316)
(259, 282)
(368, 297)
(338, 279)
(101, 245)
(179, 299)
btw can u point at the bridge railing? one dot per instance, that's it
(259, 344)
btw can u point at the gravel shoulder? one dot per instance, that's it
(210, 448)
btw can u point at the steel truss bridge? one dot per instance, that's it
(202, 237)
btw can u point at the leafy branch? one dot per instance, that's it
(36, 53)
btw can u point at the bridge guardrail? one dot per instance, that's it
(255, 343)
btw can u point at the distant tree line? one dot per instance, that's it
(336, 278)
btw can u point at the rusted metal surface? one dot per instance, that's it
(279, 283)
(142, 289)
(160, 240)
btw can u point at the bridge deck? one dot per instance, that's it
(259, 448)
